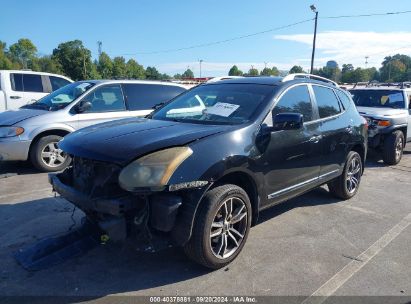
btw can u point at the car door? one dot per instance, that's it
(291, 161)
(107, 103)
(335, 130)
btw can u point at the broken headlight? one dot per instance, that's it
(153, 170)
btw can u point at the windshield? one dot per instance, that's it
(216, 104)
(378, 98)
(61, 97)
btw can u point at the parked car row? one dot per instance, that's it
(195, 167)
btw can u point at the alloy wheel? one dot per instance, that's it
(52, 156)
(228, 228)
(398, 149)
(353, 174)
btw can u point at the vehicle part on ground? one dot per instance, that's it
(57, 249)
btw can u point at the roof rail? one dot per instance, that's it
(309, 76)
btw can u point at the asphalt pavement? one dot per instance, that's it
(313, 245)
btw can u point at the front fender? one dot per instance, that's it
(212, 159)
(50, 127)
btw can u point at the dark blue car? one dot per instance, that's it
(200, 168)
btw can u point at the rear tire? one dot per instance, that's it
(221, 227)
(347, 184)
(393, 148)
(46, 156)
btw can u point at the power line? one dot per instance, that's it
(366, 15)
(220, 41)
(260, 33)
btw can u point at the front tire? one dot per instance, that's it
(347, 184)
(393, 148)
(46, 156)
(221, 227)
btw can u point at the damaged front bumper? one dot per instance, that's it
(121, 214)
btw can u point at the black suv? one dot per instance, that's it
(200, 168)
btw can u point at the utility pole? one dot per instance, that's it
(200, 61)
(84, 65)
(265, 64)
(99, 44)
(314, 9)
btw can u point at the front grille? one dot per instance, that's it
(95, 178)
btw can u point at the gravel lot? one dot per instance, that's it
(311, 245)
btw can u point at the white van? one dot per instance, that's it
(21, 87)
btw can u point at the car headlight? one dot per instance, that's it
(10, 131)
(153, 170)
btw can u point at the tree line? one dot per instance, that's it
(395, 68)
(74, 60)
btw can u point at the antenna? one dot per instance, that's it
(99, 44)
(366, 61)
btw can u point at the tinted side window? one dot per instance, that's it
(296, 100)
(345, 100)
(57, 82)
(146, 96)
(17, 82)
(327, 102)
(32, 83)
(108, 98)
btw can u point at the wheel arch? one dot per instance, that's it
(58, 132)
(403, 129)
(246, 182)
(360, 149)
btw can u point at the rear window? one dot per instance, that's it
(378, 98)
(58, 82)
(344, 98)
(146, 96)
(327, 102)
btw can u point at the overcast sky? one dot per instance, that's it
(144, 29)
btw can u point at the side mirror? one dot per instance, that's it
(288, 121)
(84, 106)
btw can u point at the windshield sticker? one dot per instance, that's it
(222, 109)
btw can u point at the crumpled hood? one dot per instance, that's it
(12, 117)
(385, 112)
(122, 141)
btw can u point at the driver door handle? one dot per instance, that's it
(15, 97)
(315, 139)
